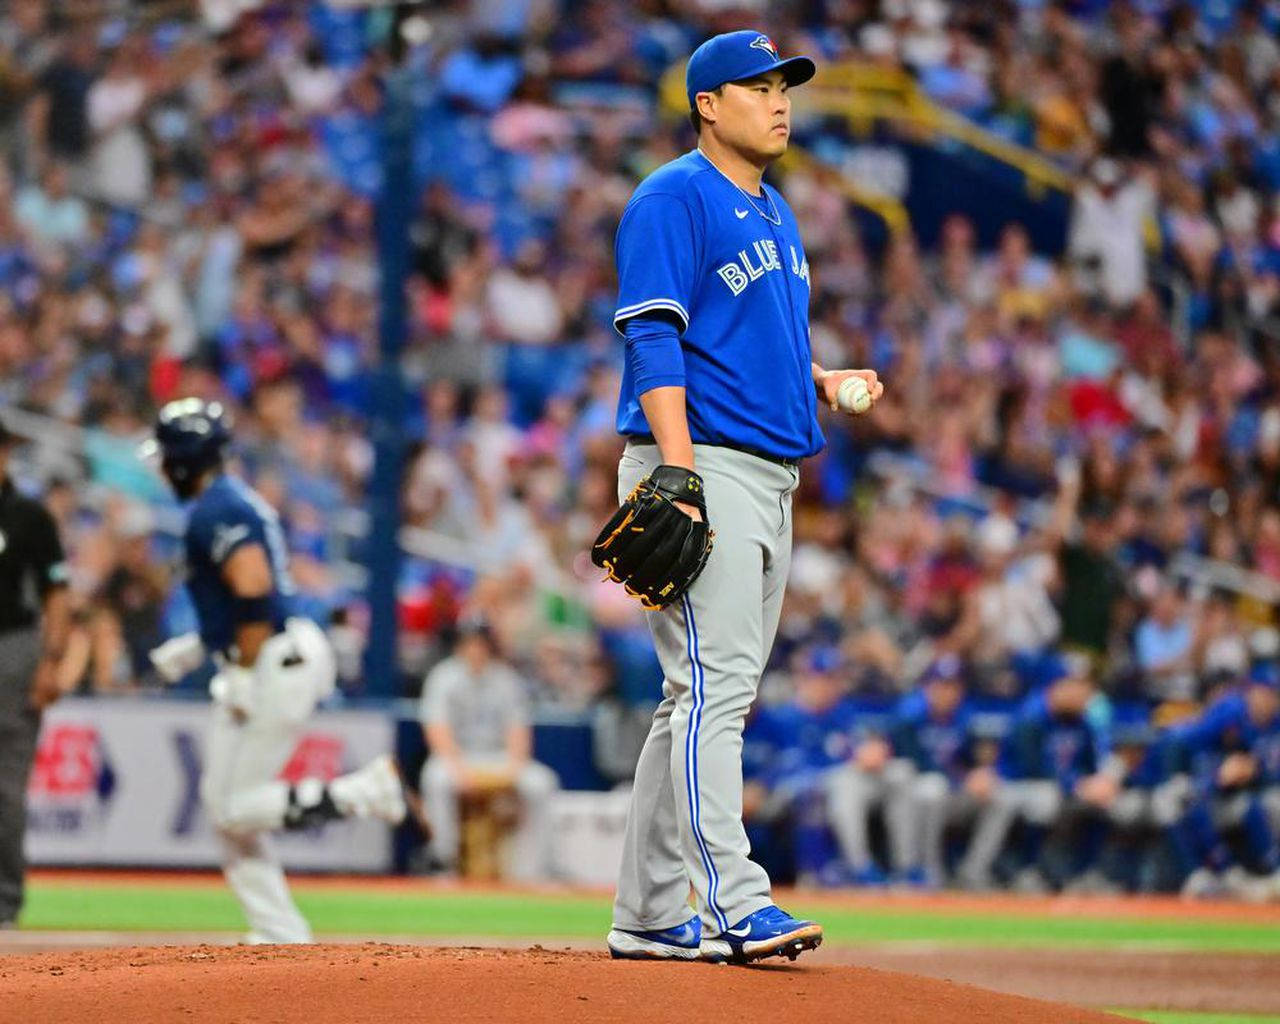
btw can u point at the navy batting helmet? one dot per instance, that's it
(190, 436)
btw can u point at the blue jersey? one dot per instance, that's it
(1225, 727)
(1267, 751)
(226, 516)
(1151, 769)
(1042, 745)
(933, 744)
(788, 740)
(731, 269)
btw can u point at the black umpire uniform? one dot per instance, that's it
(34, 622)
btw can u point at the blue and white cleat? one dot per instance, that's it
(767, 932)
(683, 942)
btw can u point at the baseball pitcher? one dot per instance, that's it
(719, 405)
(272, 670)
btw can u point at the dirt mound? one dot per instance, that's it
(1153, 980)
(373, 982)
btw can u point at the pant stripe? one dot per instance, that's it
(691, 764)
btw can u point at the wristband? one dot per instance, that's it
(252, 609)
(175, 658)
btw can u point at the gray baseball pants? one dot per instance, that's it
(938, 806)
(1037, 801)
(685, 823)
(534, 840)
(1271, 804)
(19, 727)
(852, 794)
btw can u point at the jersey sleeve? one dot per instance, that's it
(654, 356)
(222, 531)
(47, 557)
(657, 252)
(1205, 732)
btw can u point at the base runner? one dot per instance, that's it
(273, 668)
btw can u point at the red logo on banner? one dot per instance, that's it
(317, 755)
(71, 781)
(68, 762)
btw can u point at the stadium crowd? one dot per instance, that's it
(999, 615)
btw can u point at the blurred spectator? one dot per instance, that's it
(1221, 647)
(1008, 615)
(521, 301)
(120, 162)
(49, 212)
(127, 611)
(1163, 646)
(59, 112)
(27, 47)
(1106, 241)
(1091, 581)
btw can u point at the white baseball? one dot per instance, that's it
(854, 395)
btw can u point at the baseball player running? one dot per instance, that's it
(272, 670)
(718, 402)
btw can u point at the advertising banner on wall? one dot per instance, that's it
(116, 782)
(589, 828)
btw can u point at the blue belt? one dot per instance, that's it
(746, 449)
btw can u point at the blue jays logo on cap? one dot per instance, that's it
(766, 44)
(734, 56)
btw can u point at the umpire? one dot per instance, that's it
(34, 624)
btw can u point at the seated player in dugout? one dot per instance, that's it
(789, 751)
(1136, 854)
(1225, 759)
(934, 727)
(476, 723)
(875, 777)
(1051, 784)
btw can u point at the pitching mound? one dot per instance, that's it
(378, 983)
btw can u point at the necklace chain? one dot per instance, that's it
(776, 217)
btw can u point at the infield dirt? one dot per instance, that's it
(374, 982)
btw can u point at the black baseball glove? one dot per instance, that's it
(654, 549)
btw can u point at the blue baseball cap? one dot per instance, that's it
(733, 56)
(825, 660)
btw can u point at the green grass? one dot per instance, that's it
(126, 906)
(1177, 1017)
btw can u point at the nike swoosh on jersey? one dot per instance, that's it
(740, 213)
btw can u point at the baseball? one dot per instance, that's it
(854, 396)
